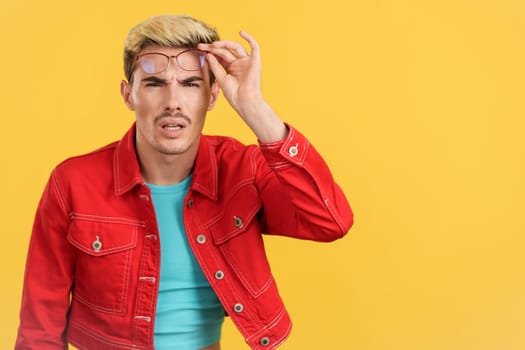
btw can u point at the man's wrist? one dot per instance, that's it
(264, 122)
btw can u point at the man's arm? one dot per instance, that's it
(48, 277)
(301, 199)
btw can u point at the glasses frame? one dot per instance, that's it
(176, 57)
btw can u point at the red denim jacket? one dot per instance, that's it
(93, 265)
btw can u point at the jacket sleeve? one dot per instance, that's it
(48, 276)
(300, 197)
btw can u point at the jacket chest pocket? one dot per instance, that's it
(237, 235)
(103, 266)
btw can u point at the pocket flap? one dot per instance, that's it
(102, 238)
(238, 213)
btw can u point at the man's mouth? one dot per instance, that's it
(172, 127)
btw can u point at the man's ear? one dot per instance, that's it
(125, 91)
(214, 95)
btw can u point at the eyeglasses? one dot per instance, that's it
(156, 62)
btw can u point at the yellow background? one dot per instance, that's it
(416, 105)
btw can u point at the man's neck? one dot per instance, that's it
(165, 169)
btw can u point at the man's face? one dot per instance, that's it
(170, 106)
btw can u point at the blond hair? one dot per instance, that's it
(167, 31)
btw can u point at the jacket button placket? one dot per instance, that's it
(147, 283)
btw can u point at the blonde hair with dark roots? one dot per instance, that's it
(168, 31)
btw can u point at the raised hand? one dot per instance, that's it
(239, 77)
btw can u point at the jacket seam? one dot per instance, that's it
(106, 219)
(227, 200)
(336, 216)
(96, 336)
(255, 292)
(271, 325)
(61, 200)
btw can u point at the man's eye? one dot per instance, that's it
(191, 84)
(151, 84)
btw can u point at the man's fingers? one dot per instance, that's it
(253, 44)
(224, 46)
(228, 51)
(222, 54)
(215, 67)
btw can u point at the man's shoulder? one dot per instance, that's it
(92, 160)
(233, 158)
(220, 143)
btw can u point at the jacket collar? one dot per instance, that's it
(126, 170)
(205, 174)
(127, 175)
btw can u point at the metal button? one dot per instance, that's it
(265, 341)
(201, 238)
(97, 245)
(238, 307)
(293, 151)
(190, 203)
(237, 221)
(219, 275)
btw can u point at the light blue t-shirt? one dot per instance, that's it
(189, 315)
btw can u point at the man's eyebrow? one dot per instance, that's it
(191, 79)
(154, 79)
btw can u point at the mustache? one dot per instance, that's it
(173, 115)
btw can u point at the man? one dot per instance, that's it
(148, 242)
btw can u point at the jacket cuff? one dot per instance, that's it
(292, 150)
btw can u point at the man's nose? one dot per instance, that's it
(173, 97)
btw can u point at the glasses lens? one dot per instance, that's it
(191, 60)
(152, 63)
